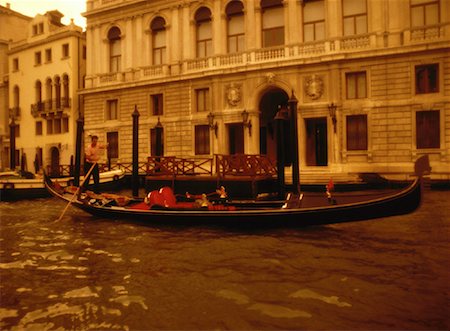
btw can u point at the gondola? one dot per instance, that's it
(296, 211)
(17, 186)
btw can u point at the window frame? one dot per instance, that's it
(157, 104)
(108, 113)
(355, 75)
(426, 81)
(204, 95)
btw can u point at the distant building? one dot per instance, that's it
(13, 27)
(45, 72)
(372, 79)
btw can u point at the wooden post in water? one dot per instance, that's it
(12, 143)
(294, 140)
(279, 129)
(78, 149)
(135, 174)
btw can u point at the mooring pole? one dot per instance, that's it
(279, 129)
(294, 140)
(78, 142)
(12, 144)
(135, 174)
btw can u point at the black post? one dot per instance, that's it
(71, 166)
(12, 144)
(76, 172)
(294, 140)
(135, 174)
(279, 129)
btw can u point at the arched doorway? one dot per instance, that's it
(54, 165)
(270, 103)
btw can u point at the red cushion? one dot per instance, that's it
(168, 196)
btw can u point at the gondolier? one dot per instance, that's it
(92, 156)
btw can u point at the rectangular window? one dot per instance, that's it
(65, 50)
(159, 47)
(113, 144)
(273, 27)
(157, 104)
(57, 125)
(35, 29)
(49, 126)
(65, 124)
(202, 139)
(428, 129)
(354, 17)
(357, 133)
(17, 131)
(236, 34)
(48, 55)
(37, 58)
(15, 64)
(202, 98)
(112, 109)
(115, 57)
(39, 128)
(427, 78)
(356, 85)
(40, 28)
(204, 39)
(314, 20)
(84, 53)
(424, 12)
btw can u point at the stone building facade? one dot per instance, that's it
(372, 80)
(13, 27)
(46, 70)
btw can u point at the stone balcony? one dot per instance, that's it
(350, 46)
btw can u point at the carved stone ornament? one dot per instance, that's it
(314, 87)
(233, 94)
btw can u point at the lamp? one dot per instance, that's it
(332, 111)
(212, 125)
(246, 122)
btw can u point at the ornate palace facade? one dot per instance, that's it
(372, 79)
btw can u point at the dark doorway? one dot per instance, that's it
(54, 166)
(316, 142)
(236, 138)
(269, 106)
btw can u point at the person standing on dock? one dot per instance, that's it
(92, 156)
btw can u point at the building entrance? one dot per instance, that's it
(236, 138)
(54, 165)
(316, 142)
(269, 105)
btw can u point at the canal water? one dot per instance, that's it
(83, 273)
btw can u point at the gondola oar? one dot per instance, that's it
(78, 189)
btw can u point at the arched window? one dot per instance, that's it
(204, 32)
(115, 52)
(235, 26)
(58, 92)
(158, 27)
(272, 23)
(48, 93)
(314, 20)
(65, 80)
(39, 94)
(16, 96)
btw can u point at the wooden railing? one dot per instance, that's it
(171, 165)
(245, 165)
(225, 166)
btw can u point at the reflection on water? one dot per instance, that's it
(86, 273)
